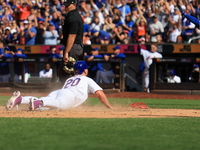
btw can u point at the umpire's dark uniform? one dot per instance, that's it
(73, 24)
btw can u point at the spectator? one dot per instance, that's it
(173, 78)
(100, 12)
(28, 32)
(147, 57)
(118, 12)
(87, 40)
(88, 18)
(56, 16)
(155, 28)
(4, 66)
(47, 72)
(15, 39)
(56, 4)
(149, 15)
(118, 35)
(175, 31)
(117, 20)
(95, 28)
(8, 35)
(14, 27)
(175, 17)
(40, 30)
(134, 14)
(50, 35)
(24, 8)
(32, 15)
(7, 14)
(109, 25)
(125, 9)
(179, 39)
(95, 67)
(159, 39)
(141, 25)
(188, 28)
(128, 24)
(114, 11)
(164, 13)
(106, 76)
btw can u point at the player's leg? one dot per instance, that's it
(26, 99)
(16, 99)
(98, 76)
(146, 80)
(106, 76)
(64, 99)
(50, 96)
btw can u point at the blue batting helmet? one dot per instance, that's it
(80, 66)
(172, 72)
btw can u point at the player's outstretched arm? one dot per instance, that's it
(102, 97)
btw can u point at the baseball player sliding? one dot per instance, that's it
(74, 92)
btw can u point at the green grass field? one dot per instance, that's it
(104, 134)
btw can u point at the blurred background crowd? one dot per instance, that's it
(30, 22)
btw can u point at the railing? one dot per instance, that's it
(118, 80)
(194, 38)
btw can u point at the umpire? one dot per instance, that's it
(72, 37)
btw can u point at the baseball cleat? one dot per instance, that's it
(34, 104)
(15, 100)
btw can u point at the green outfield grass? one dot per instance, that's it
(104, 134)
(100, 134)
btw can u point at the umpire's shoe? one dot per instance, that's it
(15, 100)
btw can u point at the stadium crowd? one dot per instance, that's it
(105, 21)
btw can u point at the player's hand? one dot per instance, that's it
(65, 57)
(112, 55)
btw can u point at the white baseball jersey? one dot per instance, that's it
(175, 79)
(81, 86)
(148, 56)
(46, 74)
(74, 92)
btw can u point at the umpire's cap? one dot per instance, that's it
(68, 2)
(80, 66)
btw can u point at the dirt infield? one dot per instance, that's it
(103, 112)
